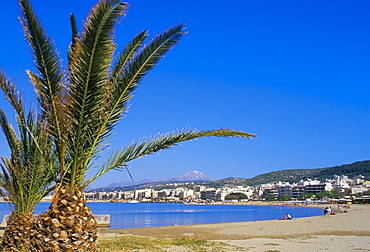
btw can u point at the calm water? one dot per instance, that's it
(126, 215)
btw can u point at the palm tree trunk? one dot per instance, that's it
(18, 232)
(67, 226)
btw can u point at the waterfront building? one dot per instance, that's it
(282, 189)
(221, 194)
(143, 193)
(208, 194)
(127, 195)
(314, 189)
(200, 192)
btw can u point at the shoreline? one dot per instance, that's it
(254, 203)
(340, 232)
(338, 224)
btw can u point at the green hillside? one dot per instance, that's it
(295, 175)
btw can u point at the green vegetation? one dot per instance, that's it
(236, 196)
(29, 160)
(295, 175)
(137, 243)
(286, 197)
(27, 175)
(292, 176)
(270, 197)
(305, 196)
(329, 194)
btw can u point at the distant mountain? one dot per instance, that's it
(192, 176)
(129, 183)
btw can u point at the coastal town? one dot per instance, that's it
(338, 188)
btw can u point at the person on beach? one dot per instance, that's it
(326, 212)
(287, 217)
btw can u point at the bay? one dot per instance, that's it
(128, 215)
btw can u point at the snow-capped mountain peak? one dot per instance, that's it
(193, 176)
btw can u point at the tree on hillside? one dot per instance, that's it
(81, 104)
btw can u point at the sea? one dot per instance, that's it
(139, 215)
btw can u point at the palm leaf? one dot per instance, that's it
(89, 67)
(9, 132)
(16, 100)
(12, 95)
(27, 175)
(11, 172)
(45, 56)
(145, 60)
(127, 54)
(75, 37)
(133, 71)
(118, 160)
(48, 81)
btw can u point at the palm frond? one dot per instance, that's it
(48, 81)
(45, 56)
(9, 132)
(127, 54)
(133, 72)
(75, 38)
(4, 173)
(89, 69)
(118, 160)
(30, 171)
(12, 95)
(15, 99)
(144, 61)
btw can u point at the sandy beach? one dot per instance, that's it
(340, 232)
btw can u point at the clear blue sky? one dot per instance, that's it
(296, 73)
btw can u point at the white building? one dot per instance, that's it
(143, 193)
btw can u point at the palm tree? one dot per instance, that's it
(81, 105)
(28, 173)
